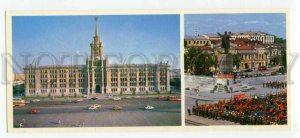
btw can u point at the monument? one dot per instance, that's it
(224, 76)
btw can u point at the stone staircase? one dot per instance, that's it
(220, 88)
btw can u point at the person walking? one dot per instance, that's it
(189, 111)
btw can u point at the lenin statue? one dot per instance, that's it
(225, 42)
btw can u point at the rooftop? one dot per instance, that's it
(197, 37)
(251, 33)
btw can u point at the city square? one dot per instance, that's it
(238, 77)
(198, 88)
(58, 113)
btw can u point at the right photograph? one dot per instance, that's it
(235, 69)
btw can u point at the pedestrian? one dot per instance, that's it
(194, 110)
(189, 111)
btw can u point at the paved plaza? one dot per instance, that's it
(199, 87)
(133, 113)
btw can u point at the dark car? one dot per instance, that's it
(273, 73)
(94, 98)
(262, 68)
(248, 70)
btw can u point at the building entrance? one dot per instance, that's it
(98, 90)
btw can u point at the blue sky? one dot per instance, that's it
(156, 37)
(273, 23)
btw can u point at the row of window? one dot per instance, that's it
(198, 42)
(31, 75)
(44, 91)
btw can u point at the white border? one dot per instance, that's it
(143, 129)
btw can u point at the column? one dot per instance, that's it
(108, 80)
(76, 82)
(88, 81)
(158, 78)
(128, 79)
(168, 78)
(137, 80)
(93, 80)
(67, 92)
(27, 82)
(48, 81)
(119, 80)
(37, 81)
(57, 82)
(146, 74)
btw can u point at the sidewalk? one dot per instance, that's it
(205, 121)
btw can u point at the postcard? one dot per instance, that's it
(96, 71)
(235, 68)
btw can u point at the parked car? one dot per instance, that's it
(262, 68)
(35, 100)
(273, 73)
(93, 108)
(35, 111)
(116, 107)
(94, 98)
(248, 70)
(149, 107)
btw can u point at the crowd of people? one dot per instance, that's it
(247, 110)
(275, 85)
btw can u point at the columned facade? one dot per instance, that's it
(97, 76)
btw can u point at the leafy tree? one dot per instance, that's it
(175, 82)
(283, 58)
(236, 60)
(19, 89)
(279, 40)
(198, 62)
(275, 60)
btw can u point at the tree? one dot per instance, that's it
(198, 62)
(275, 60)
(279, 40)
(236, 60)
(283, 59)
(19, 89)
(175, 82)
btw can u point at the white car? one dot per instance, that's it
(117, 98)
(92, 108)
(137, 96)
(149, 107)
(35, 100)
(97, 105)
(79, 100)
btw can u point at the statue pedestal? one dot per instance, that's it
(225, 63)
(225, 79)
(225, 75)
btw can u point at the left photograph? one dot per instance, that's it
(96, 71)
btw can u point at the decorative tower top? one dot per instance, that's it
(96, 31)
(96, 45)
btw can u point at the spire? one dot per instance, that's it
(96, 28)
(96, 46)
